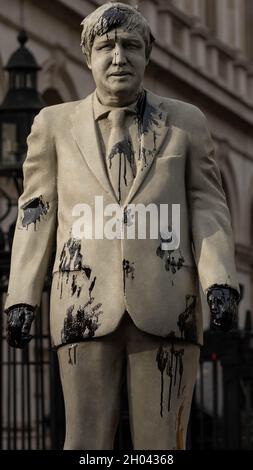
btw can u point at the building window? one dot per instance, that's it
(232, 23)
(208, 11)
(177, 34)
(222, 66)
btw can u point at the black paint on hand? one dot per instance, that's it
(223, 303)
(20, 318)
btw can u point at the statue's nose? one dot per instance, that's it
(119, 57)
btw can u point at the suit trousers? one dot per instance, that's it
(160, 380)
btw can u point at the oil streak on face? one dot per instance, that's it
(118, 61)
(109, 19)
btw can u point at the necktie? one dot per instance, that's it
(120, 154)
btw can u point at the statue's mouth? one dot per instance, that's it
(119, 74)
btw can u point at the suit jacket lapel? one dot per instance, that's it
(85, 134)
(153, 133)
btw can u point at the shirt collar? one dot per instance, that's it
(101, 111)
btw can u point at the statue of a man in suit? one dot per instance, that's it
(119, 303)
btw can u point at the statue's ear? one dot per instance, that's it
(148, 54)
(88, 62)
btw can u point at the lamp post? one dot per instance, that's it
(19, 107)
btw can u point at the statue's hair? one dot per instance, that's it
(107, 17)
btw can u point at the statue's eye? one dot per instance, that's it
(133, 45)
(105, 47)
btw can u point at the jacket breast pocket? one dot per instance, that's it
(170, 163)
(168, 156)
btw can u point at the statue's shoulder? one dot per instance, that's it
(174, 106)
(64, 108)
(179, 113)
(59, 116)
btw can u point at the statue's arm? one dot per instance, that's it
(34, 237)
(211, 230)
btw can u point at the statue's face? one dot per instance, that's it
(118, 63)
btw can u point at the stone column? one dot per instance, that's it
(221, 20)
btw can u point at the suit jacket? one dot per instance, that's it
(95, 281)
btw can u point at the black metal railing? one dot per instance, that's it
(222, 411)
(32, 414)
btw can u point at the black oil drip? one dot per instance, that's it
(123, 149)
(33, 211)
(174, 369)
(181, 370)
(128, 269)
(175, 376)
(92, 287)
(169, 371)
(161, 359)
(187, 321)
(109, 19)
(173, 261)
(71, 259)
(148, 120)
(119, 180)
(72, 347)
(154, 135)
(115, 16)
(125, 218)
(73, 285)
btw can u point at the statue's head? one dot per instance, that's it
(117, 41)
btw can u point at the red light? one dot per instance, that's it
(214, 356)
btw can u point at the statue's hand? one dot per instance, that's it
(20, 318)
(223, 303)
